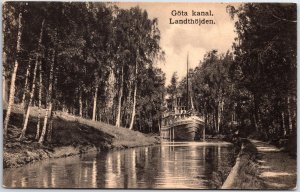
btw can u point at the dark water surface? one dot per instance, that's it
(169, 165)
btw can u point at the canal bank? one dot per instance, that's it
(244, 174)
(277, 168)
(260, 165)
(71, 136)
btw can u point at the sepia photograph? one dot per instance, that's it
(149, 95)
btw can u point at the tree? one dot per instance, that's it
(49, 100)
(172, 90)
(37, 63)
(211, 89)
(117, 46)
(39, 102)
(14, 74)
(136, 46)
(151, 100)
(265, 63)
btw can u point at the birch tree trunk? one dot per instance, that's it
(134, 99)
(49, 100)
(118, 121)
(49, 108)
(289, 114)
(128, 104)
(109, 109)
(256, 112)
(40, 103)
(294, 112)
(26, 84)
(49, 130)
(86, 109)
(30, 100)
(209, 122)
(53, 104)
(13, 78)
(283, 124)
(95, 102)
(33, 83)
(220, 113)
(218, 116)
(80, 102)
(214, 119)
(133, 106)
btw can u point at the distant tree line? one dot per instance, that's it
(93, 60)
(252, 89)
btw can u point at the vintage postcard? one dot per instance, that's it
(149, 95)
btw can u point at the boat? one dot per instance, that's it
(183, 123)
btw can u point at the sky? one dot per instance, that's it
(179, 40)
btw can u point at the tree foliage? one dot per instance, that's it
(88, 51)
(253, 89)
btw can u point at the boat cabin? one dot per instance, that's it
(177, 114)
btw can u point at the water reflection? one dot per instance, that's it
(170, 165)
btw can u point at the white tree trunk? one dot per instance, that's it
(49, 100)
(26, 84)
(109, 109)
(134, 99)
(283, 124)
(49, 130)
(30, 100)
(80, 103)
(33, 83)
(95, 103)
(86, 109)
(220, 109)
(289, 114)
(128, 105)
(134, 106)
(111, 90)
(40, 103)
(118, 121)
(13, 78)
(218, 118)
(41, 140)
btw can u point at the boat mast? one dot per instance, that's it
(187, 81)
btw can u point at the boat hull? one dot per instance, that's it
(188, 130)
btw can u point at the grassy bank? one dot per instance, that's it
(245, 173)
(71, 136)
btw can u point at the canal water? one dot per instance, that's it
(185, 165)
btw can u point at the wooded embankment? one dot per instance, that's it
(71, 135)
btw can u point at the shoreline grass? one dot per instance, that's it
(70, 137)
